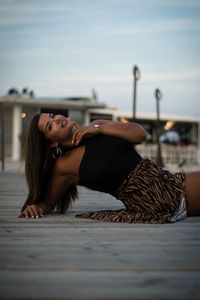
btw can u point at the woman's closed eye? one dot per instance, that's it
(49, 127)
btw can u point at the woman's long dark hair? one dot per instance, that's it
(39, 165)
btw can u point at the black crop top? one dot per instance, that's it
(106, 163)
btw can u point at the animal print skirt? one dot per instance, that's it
(150, 195)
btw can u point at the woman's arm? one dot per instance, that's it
(58, 186)
(132, 132)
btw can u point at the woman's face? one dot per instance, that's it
(56, 128)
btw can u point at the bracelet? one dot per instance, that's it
(96, 126)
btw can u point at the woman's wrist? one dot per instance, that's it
(97, 128)
(46, 208)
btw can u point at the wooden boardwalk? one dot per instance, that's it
(62, 257)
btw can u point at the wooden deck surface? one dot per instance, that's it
(62, 257)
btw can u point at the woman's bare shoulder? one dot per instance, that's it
(69, 163)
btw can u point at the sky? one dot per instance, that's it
(66, 48)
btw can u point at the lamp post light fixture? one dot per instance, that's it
(158, 96)
(136, 77)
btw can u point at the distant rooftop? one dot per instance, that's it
(146, 115)
(70, 102)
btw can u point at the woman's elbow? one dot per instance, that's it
(142, 138)
(142, 135)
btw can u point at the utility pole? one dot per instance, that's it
(2, 138)
(136, 77)
(158, 97)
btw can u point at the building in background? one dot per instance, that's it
(19, 110)
(180, 135)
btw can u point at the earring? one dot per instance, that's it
(57, 152)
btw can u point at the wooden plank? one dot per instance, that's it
(99, 285)
(63, 257)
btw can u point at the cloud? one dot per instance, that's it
(192, 73)
(24, 6)
(29, 12)
(191, 3)
(59, 46)
(143, 27)
(124, 78)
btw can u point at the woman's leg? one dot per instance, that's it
(192, 189)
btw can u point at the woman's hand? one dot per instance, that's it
(81, 132)
(131, 132)
(33, 211)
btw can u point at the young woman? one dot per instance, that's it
(61, 154)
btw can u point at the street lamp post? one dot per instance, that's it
(158, 96)
(136, 77)
(2, 138)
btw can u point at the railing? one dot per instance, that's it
(171, 154)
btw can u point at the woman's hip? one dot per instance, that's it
(154, 192)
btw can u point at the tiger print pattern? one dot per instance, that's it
(149, 194)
